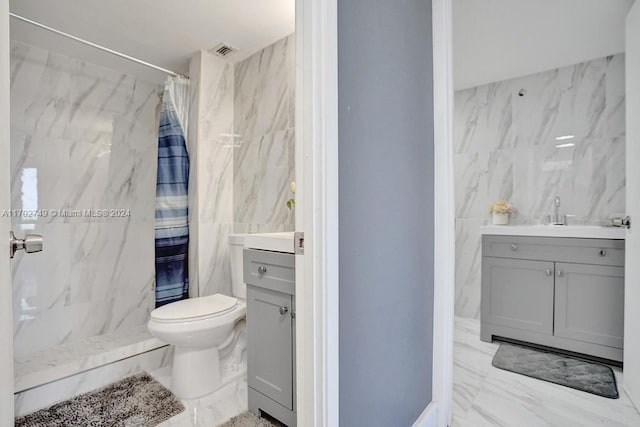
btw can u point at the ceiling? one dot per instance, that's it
(162, 32)
(495, 40)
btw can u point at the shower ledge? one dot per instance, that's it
(79, 356)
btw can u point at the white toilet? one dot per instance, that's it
(198, 327)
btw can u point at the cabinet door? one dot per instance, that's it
(590, 303)
(269, 344)
(518, 294)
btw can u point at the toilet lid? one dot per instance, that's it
(195, 307)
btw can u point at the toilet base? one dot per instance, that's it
(195, 372)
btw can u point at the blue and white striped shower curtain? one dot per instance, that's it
(171, 224)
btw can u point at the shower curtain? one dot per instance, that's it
(171, 223)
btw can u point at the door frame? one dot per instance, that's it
(444, 212)
(317, 153)
(6, 317)
(317, 272)
(631, 380)
(317, 376)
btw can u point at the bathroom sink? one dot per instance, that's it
(277, 242)
(576, 231)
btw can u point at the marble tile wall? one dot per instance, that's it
(264, 124)
(505, 148)
(82, 137)
(211, 179)
(242, 155)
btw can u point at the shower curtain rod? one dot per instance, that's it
(95, 45)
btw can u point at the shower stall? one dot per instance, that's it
(83, 175)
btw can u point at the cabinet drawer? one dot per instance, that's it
(582, 251)
(271, 270)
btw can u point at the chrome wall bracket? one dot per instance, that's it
(30, 244)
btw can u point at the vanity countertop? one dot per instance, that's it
(577, 231)
(277, 242)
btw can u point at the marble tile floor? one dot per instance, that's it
(211, 410)
(487, 396)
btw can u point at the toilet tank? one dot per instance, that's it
(236, 246)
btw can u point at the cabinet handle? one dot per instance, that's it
(548, 272)
(602, 252)
(514, 247)
(284, 310)
(262, 269)
(560, 273)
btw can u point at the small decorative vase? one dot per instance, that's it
(500, 218)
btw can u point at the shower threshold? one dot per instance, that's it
(79, 356)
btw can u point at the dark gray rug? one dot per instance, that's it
(568, 371)
(138, 401)
(247, 419)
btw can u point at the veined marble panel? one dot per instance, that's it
(572, 173)
(211, 186)
(612, 157)
(242, 155)
(468, 263)
(214, 256)
(615, 96)
(215, 140)
(73, 358)
(263, 91)
(82, 137)
(291, 78)
(483, 118)
(195, 69)
(263, 171)
(264, 153)
(506, 147)
(482, 178)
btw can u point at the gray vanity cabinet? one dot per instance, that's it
(566, 293)
(269, 341)
(270, 279)
(589, 301)
(518, 293)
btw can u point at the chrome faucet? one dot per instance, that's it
(556, 218)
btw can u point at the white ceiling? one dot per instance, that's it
(163, 32)
(495, 40)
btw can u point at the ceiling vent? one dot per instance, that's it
(224, 49)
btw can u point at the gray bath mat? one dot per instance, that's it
(247, 419)
(568, 371)
(138, 401)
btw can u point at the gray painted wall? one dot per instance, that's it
(386, 211)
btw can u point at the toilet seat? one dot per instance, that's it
(200, 308)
